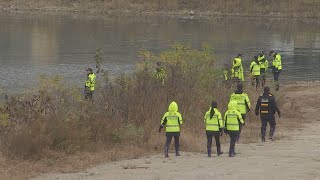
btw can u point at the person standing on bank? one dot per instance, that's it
(160, 73)
(237, 69)
(267, 107)
(214, 127)
(255, 72)
(276, 68)
(264, 65)
(243, 104)
(172, 121)
(232, 119)
(90, 84)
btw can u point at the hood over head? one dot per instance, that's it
(173, 107)
(232, 105)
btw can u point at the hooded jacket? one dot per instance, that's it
(172, 119)
(243, 101)
(232, 117)
(255, 68)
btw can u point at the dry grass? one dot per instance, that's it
(55, 129)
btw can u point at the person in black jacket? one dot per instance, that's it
(267, 107)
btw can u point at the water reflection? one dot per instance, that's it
(34, 45)
(43, 43)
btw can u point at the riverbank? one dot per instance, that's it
(245, 8)
(298, 103)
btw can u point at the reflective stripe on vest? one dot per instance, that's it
(172, 125)
(232, 124)
(212, 124)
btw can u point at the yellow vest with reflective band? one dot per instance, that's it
(232, 118)
(237, 68)
(255, 68)
(241, 100)
(174, 120)
(161, 73)
(264, 64)
(277, 62)
(214, 123)
(91, 81)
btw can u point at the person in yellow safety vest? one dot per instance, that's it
(243, 104)
(227, 74)
(90, 84)
(255, 72)
(276, 68)
(172, 120)
(214, 127)
(160, 73)
(264, 65)
(232, 119)
(238, 68)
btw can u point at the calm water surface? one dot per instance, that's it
(35, 45)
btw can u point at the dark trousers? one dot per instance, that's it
(255, 81)
(169, 136)
(263, 76)
(216, 136)
(233, 138)
(89, 95)
(264, 122)
(240, 126)
(276, 78)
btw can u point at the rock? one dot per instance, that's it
(148, 161)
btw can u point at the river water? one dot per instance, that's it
(34, 45)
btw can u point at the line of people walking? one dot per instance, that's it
(231, 123)
(258, 69)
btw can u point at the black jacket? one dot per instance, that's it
(267, 106)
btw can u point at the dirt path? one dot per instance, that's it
(295, 156)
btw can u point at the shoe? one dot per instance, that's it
(263, 139)
(166, 152)
(178, 154)
(271, 138)
(219, 153)
(209, 155)
(231, 155)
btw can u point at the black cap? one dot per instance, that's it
(255, 57)
(239, 87)
(266, 90)
(214, 104)
(239, 55)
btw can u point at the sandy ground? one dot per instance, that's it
(294, 156)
